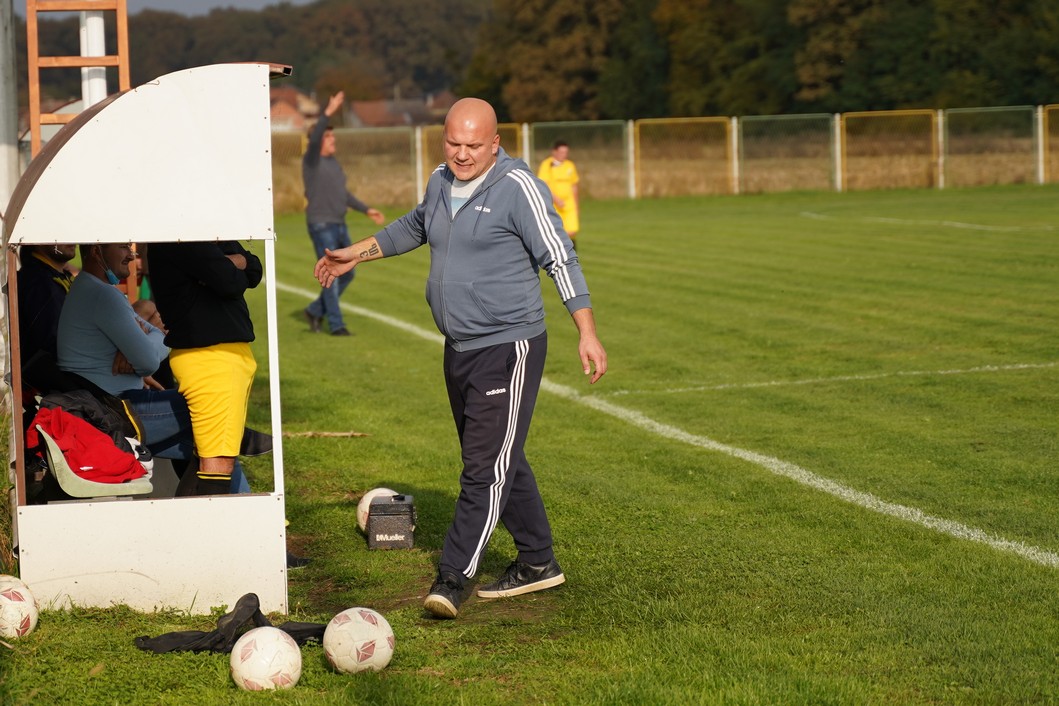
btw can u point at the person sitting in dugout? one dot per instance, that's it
(103, 340)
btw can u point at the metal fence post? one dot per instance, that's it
(942, 147)
(419, 157)
(836, 152)
(734, 152)
(630, 156)
(1038, 134)
(527, 146)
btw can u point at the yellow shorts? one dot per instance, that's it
(216, 383)
(571, 222)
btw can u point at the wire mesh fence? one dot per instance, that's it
(701, 156)
(989, 146)
(598, 148)
(786, 152)
(889, 150)
(681, 157)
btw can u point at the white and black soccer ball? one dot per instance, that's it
(358, 639)
(266, 658)
(18, 608)
(364, 506)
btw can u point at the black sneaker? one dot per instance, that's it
(522, 578)
(445, 596)
(255, 443)
(296, 562)
(314, 321)
(341, 332)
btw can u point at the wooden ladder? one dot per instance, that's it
(36, 62)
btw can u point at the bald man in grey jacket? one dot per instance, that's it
(491, 226)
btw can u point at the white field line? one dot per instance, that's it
(773, 465)
(917, 222)
(837, 378)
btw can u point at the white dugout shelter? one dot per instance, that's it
(186, 157)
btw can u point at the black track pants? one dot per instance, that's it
(492, 392)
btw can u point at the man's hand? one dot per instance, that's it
(559, 203)
(336, 263)
(149, 383)
(335, 103)
(589, 348)
(121, 365)
(238, 260)
(375, 215)
(592, 353)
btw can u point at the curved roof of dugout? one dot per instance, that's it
(186, 156)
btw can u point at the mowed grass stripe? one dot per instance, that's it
(773, 465)
(838, 379)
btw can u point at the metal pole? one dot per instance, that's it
(420, 186)
(93, 43)
(630, 156)
(734, 147)
(9, 170)
(836, 152)
(1042, 144)
(943, 147)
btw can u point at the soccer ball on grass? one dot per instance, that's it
(364, 506)
(18, 608)
(266, 658)
(358, 639)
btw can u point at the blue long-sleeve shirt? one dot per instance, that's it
(96, 322)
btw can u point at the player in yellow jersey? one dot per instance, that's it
(560, 174)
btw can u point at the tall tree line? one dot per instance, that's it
(369, 48)
(597, 59)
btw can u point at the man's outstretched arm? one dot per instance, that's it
(336, 263)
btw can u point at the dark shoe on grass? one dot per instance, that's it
(446, 595)
(314, 321)
(522, 578)
(255, 443)
(341, 332)
(296, 562)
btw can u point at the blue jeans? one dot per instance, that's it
(167, 428)
(331, 236)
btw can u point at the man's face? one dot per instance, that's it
(61, 253)
(559, 154)
(117, 257)
(327, 146)
(470, 149)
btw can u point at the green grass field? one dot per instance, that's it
(823, 468)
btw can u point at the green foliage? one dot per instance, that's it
(371, 47)
(632, 82)
(883, 340)
(553, 54)
(727, 58)
(545, 60)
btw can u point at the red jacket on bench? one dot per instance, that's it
(89, 452)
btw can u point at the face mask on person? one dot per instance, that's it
(107, 272)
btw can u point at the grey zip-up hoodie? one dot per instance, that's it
(483, 288)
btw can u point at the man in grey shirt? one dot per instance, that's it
(328, 198)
